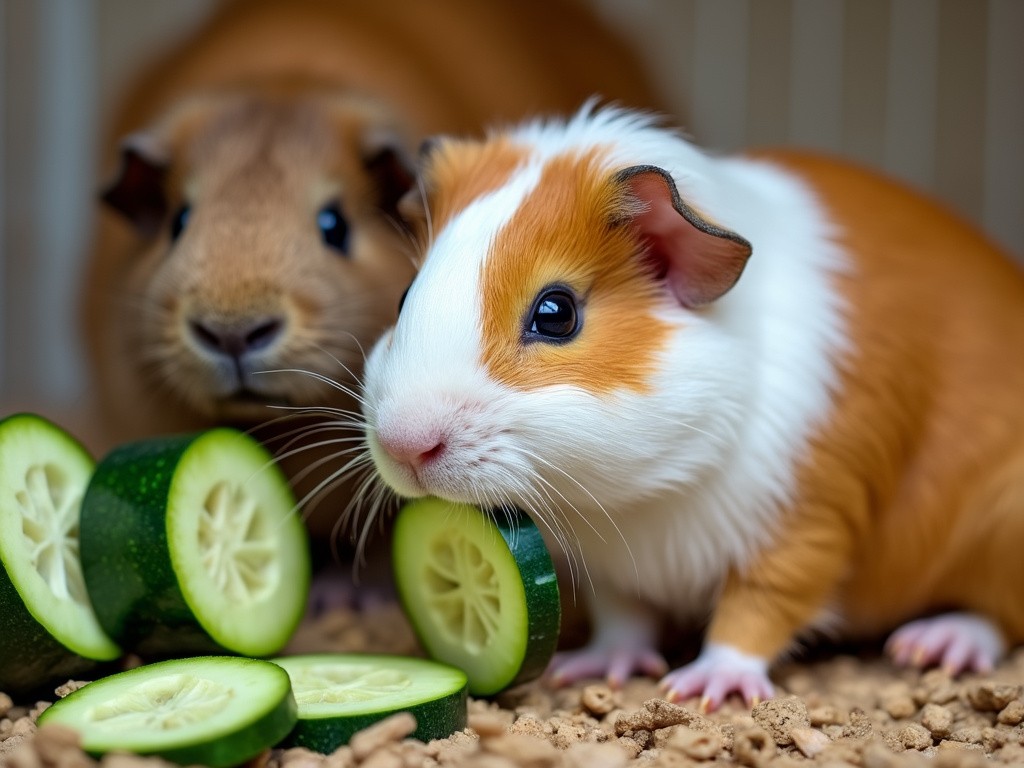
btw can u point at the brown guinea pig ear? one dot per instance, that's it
(138, 191)
(412, 206)
(391, 173)
(699, 260)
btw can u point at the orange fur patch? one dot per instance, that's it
(460, 172)
(563, 233)
(912, 497)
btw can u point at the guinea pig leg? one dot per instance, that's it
(957, 641)
(623, 643)
(763, 607)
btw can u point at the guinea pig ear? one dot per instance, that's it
(699, 260)
(412, 206)
(390, 170)
(138, 190)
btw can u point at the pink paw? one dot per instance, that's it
(616, 665)
(717, 672)
(958, 642)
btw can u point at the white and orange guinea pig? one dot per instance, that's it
(777, 392)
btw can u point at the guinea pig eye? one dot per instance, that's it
(333, 227)
(554, 316)
(179, 221)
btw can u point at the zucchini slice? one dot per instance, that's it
(49, 628)
(479, 589)
(216, 711)
(192, 544)
(339, 694)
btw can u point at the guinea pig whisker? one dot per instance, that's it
(411, 246)
(544, 512)
(337, 419)
(565, 537)
(319, 377)
(426, 210)
(543, 508)
(292, 440)
(379, 495)
(314, 465)
(350, 515)
(307, 503)
(296, 415)
(531, 455)
(355, 417)
(686, 425)
(362, 460)
(338, 362)
(579, 514)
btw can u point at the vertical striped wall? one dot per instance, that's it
(930, 90)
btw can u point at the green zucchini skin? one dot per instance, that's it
(223, 751)
(527, 545)
(435, 694)
(434, 720)
(30, 657)
(533, 566)
(155, 586)
(134, 589)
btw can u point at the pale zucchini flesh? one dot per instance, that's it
(48, 616)
(339, 694)
(480, 590)
(194, 543)
(213, 711)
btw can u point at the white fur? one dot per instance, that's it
(661, 492)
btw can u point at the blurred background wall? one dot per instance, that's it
(930, 90)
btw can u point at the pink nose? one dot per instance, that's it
(412, 450)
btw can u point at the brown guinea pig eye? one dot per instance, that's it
(554, 316)
(333, 227)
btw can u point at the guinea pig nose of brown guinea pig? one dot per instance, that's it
(236, 338)
(412, 450)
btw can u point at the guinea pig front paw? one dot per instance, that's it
(616, 665)
(718, 671)
(958, 642)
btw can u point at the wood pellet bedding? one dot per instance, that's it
(836, 711)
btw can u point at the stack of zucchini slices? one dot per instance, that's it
(190, 549)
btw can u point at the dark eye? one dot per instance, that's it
(554, 315)
(333, 227)
(179, 221)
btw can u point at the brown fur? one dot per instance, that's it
(263, 116)
(912, 498)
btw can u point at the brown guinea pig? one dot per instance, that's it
(248, 251)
